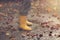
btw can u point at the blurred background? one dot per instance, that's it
(44, 14)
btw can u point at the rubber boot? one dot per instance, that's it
(23, 23)
(29, 23)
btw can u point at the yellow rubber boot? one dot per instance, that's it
(29, 23)
(23, 23)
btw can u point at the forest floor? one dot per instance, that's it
(45, 26)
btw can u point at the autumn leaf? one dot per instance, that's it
(1, 5)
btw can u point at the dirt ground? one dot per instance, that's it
(45, 26)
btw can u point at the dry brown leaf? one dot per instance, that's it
(55, 14)
(1, 5)
(49, 9)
